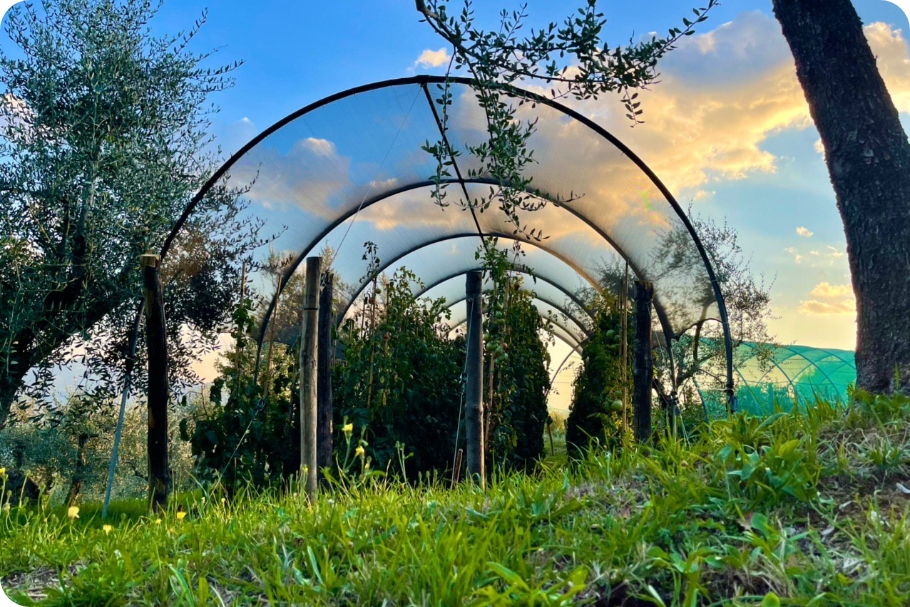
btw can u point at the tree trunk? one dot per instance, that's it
(76, 486)
(868, 158)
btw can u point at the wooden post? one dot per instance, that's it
(156, 341)
(324, 351)
(643, 369)
(309, 330)
(474, 380)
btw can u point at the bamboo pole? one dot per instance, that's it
(308, 406)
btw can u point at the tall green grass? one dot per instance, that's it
(793, 509)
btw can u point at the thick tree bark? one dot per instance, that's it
(868, 158)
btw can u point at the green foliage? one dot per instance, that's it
(596, 409)
(250, 432)
(103, 138)
(516, 360)
(665, 524)
(400, 377)
(572, 60)
(66, 449)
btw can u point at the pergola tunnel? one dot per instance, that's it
(353, 169)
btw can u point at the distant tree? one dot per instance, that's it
(595, 412)
(103, 140)
(399, 378)
(516, 360)
(868, 158)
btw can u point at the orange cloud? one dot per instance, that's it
(821, 308)
(837, 300)
(829, 291)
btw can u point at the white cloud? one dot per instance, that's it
(805, 233)
(430, 58)
(319, 147)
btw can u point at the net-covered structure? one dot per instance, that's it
(352, 168)
(792, 376)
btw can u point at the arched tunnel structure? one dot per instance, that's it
(353, 168)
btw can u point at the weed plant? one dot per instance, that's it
(794, 509)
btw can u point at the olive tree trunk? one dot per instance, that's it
(868, 158)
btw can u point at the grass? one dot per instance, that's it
(804, 509)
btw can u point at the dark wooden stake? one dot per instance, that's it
(474, 380)
(308, 410)
(324, 352)
(643, 369)
(158, 391)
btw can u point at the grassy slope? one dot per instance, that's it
(810, 508)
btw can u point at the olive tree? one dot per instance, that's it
(103, 140)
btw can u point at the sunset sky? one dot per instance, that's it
(727, 128)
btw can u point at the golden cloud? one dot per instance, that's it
(822, 308)
(723, 93)
(829, 291)
(838, 300)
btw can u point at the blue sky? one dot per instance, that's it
(727, 128)
(769, 185)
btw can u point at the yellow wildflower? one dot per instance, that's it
(157, 521)
(73, 512)
(181, 515)
(107, 529)
(2, 472)
(359, 451)
(347, 428)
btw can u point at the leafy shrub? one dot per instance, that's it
(596, 409)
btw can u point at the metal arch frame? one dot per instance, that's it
(815, 363)
(576, 350)
(386, 265)
(571, 343)
(425, 80)
(812, 363)
(292, 267)
(514, 268)
(758, 381)
(794, 354)
(557, 307)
